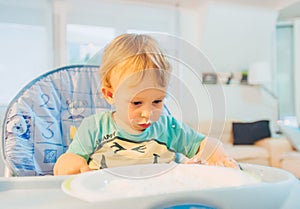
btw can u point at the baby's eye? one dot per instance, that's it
(136, 103)
(157, 101)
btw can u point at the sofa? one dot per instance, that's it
(268, 151)
(290, 160)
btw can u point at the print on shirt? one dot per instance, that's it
(122, 152)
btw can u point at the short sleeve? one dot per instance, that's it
(184, 139)
(84, 140)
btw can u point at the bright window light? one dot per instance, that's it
(84, 41)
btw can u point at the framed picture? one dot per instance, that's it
(209, 78)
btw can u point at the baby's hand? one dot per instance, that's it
(220, 158)
(70, 163)
(212, 152)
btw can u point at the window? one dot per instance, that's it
(25, 45)
(83, 42)
(39, 35)
(285, 72)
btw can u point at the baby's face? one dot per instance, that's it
(140, 105)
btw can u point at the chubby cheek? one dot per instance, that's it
(133, 116)
(156, 115)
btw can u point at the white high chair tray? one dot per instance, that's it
(231, 189)
(156, 179)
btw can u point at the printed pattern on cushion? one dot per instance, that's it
(36, 125)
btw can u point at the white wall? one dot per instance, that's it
(235, 36)
(232, 37)
(297, 67)
(218, 103)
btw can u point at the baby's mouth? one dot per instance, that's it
(145, 125)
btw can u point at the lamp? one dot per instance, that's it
(259, 73)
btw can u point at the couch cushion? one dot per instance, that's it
(221, 130)
(291, 162)
(246, 152)
(247, 133)
(292, 134)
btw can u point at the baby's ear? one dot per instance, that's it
(108, 94)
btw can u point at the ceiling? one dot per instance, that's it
(291, 11)
(287, 8)
(274, 4)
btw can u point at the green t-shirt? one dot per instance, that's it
(103, 144)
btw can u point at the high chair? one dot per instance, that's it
(39, 122)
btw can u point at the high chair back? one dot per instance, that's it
(39, 122)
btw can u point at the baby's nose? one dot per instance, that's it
(146, 113)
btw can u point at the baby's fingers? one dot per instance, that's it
(195, 160)
(84, 168)
(192, 160)
(231, 163)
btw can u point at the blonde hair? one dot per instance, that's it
(134, 53)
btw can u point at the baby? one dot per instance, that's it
(135, 74)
